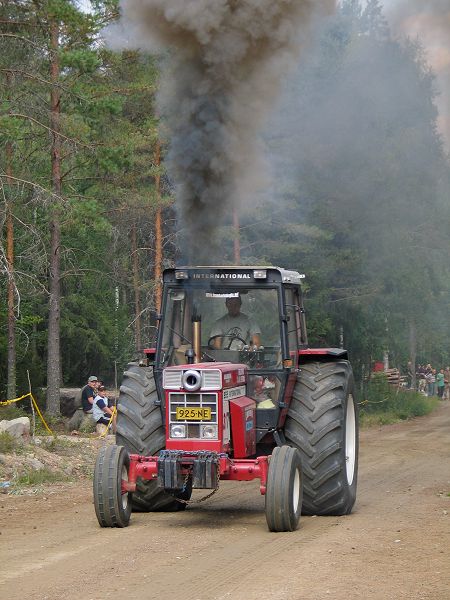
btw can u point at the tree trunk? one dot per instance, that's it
(11, 387)
(53, 345)
(137, 299)
(158, 230)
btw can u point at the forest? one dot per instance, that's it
(353, 189)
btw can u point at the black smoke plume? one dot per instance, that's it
(225, 62)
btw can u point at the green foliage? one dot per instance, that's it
(83, 61)
(54, 422)
(10, 129)
(384, 403)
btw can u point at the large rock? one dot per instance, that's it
(70, 400)
(79, 421)
(17, 428)
(35, 464)
(74, 422)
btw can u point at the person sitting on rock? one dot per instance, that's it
(88, 394)
(101, 412)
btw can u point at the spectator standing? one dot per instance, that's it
(88, 394)
(421, 379)
(431, 381)
(440, 381)
(447, 384)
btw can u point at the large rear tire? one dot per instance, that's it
(112, 506)
(140, 431)
(284, 489)
(322, 422)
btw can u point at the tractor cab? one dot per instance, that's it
(250, 316)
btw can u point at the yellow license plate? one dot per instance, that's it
(193, 414)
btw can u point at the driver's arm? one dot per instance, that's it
(255, 339)
(217, 334)
(255, 334)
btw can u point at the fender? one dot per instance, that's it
(321, 354)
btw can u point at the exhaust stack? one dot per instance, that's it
(197, 338)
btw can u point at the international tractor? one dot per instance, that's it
(232, 392)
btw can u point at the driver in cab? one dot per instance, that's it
(235, 329)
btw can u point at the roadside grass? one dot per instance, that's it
(55, 423)
(58, 445)
(8, 443)
(384, 404)
(32, 477)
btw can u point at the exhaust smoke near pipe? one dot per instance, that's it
(224, 62)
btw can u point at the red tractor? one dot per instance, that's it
(232, 391)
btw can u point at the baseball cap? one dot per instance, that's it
(92, 378)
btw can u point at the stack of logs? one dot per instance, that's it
(394, 378)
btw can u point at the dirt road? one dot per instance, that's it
(395, 545)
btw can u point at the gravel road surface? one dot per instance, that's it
(396, 544)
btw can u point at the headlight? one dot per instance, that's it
(208, 432)
(260, 274)
(181, 275)
(178, 431)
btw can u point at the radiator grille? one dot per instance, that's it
(197, 400)
(172, 379)
(211, 379)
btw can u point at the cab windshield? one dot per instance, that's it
(240, 326)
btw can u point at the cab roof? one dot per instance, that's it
(253, 273)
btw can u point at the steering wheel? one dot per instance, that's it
(231, 336)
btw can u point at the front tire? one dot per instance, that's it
(284, 489)
(140, 430)
(112, 506)
(322, 422)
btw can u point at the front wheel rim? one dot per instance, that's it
(296, 491)
(125, 496)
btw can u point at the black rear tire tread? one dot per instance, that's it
(140, 430)
(316, 425)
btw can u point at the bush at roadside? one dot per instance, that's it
(383, 403)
